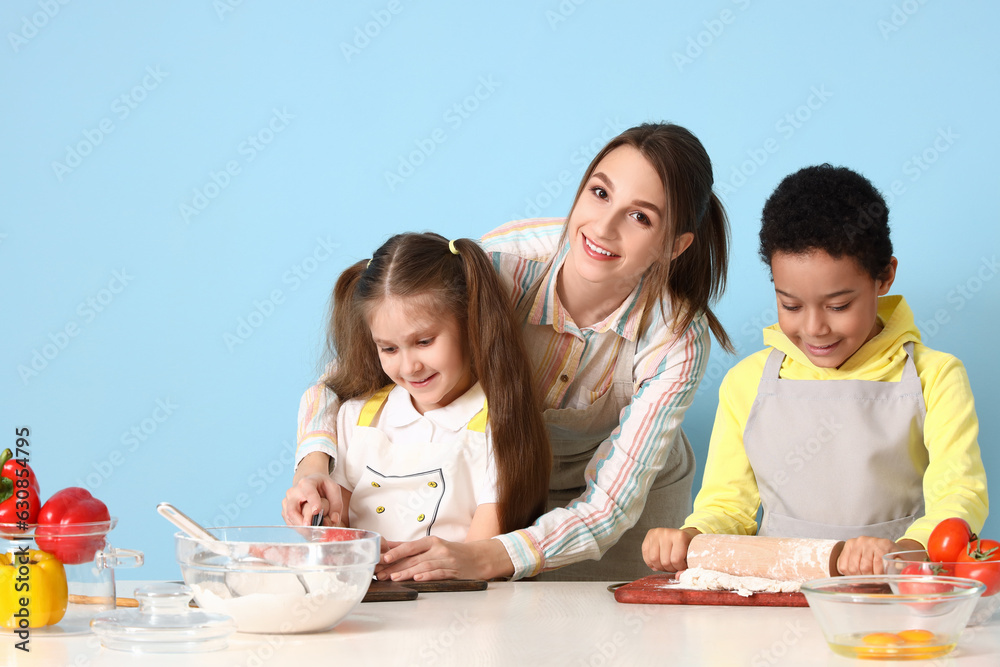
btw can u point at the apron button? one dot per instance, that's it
(421, 517)
(564, 377)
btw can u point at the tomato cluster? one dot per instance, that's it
(956, 551)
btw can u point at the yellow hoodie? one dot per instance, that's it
(954, 483)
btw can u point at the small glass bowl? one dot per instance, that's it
(918, 562)
(163, 623)
(901, 617)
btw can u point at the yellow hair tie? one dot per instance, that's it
(451, 246)
(368, 265)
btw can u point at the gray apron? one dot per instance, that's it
(837, 459)
(575, 434)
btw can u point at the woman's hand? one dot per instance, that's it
(431, 558)
(863, 555)
(665, 549)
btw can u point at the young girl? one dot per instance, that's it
(439, 429)
(847, 426)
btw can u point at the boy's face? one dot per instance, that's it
(828, 307)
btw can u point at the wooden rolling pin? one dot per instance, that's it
(781, 558)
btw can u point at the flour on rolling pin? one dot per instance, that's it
(780, 558)
(709, 580)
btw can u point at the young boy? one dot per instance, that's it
(846, 427)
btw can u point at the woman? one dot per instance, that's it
(616, 319)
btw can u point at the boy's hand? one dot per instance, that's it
(863, 555)
(665, 549)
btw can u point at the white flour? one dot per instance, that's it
(710, 580)
(277, 611)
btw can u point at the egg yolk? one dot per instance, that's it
(917, 636)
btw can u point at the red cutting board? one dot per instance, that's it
(664, 589)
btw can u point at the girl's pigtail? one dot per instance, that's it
(698, 276)
(358, 371)
(500, 361)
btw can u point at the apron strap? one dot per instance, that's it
(478, 423)
(373, 405)
(910, 368)
(772, 367)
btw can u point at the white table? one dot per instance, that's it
(523, 623)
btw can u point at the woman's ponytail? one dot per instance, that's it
(697, 277)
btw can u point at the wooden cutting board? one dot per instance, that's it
(447, 585)
(388, 591)
(664, 589)
(392, 591)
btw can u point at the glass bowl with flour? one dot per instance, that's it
(279, 579)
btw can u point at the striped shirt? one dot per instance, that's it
(573, 366)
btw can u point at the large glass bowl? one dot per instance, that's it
(894, 617)
(918, 562)
(280, 579)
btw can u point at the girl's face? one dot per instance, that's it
(617, 227)
(421, 351)
(828, 307)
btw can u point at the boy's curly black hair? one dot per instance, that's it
(828, 208)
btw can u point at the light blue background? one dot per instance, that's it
(886, 80)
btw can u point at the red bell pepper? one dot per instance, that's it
(59, 525)
(19, 501)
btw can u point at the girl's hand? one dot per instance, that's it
(863, 555)
(310, 494)
(665, 549)
(431, 558)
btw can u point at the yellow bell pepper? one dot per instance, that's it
(33, 590)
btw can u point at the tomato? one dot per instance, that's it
(949, 539)
(981, 561)
(926, 587)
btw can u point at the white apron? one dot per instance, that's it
(837, 459)
(408, 490)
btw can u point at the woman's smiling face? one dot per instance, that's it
(617, 227)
